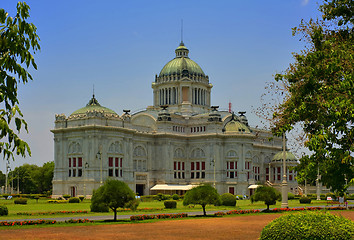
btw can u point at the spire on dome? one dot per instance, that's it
(93, 101)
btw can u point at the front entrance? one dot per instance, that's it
(140, 189)
(73, 191)
(232, 190)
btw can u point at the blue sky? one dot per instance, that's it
(119, 46)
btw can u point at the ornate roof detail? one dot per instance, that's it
(289, 157)
(235, 126)
(92, 109)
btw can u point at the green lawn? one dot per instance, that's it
(42, 206)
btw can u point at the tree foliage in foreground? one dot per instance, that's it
(320, 94)
(114, 194)
(17, 39)
(201, 195)
(268, 195)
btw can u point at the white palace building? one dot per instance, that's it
(179, 142)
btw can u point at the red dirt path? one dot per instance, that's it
(238, 227)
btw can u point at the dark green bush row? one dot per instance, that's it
(30, 196)
(170, 204)
(4, 211)
(305, 200)
(309, 225)
(20, 201)
(74, 200)
(291, 196)
(227, 199)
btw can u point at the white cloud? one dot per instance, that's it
(304, 2)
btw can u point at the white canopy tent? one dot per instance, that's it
(173, 187)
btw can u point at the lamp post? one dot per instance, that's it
(86, 167)
(213, 163)
(284, 185)
(6, 175)
(318, 192)
(99, 156)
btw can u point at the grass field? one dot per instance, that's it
(42, 206)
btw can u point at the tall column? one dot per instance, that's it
(284, 203)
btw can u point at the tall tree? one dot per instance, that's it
(114, 194)
(202, 195)
(320, 95)
(267, 194)
(18, 39)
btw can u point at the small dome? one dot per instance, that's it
(181, 64)
(289, 156)
(234, 125)
(93, 105)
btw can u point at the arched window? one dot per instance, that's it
(139, 159)
(74, 160)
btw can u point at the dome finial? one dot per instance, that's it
(93, 91)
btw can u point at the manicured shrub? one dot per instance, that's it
(350, 197)
(74, 200)
(291, 196)
(162, 197)
(323, 197)
(309, 225)
(20, 201)
(175, 197)
(170, 204)
(57, 201)
(305, 200)
(227, 199)
(4, 211)
(81, 198)
(312, 196)
(66, 196)
(147, 198)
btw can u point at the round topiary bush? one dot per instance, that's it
(74, 200)
(4, 211)
(305, 200)
(227, 199)
(170, 204)
(175, 197)
(20, 201)
(66, 196)
(309, 225)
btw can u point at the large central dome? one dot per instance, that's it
(181, 64)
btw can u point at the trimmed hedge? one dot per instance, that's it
(175, 197)
(66, 196)
(227, 199)
(291, 196)
(20, 201)
(309, 225)
(162, 197)
(74, 200)
(305, 200)
(170, 204)
(4, 211)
